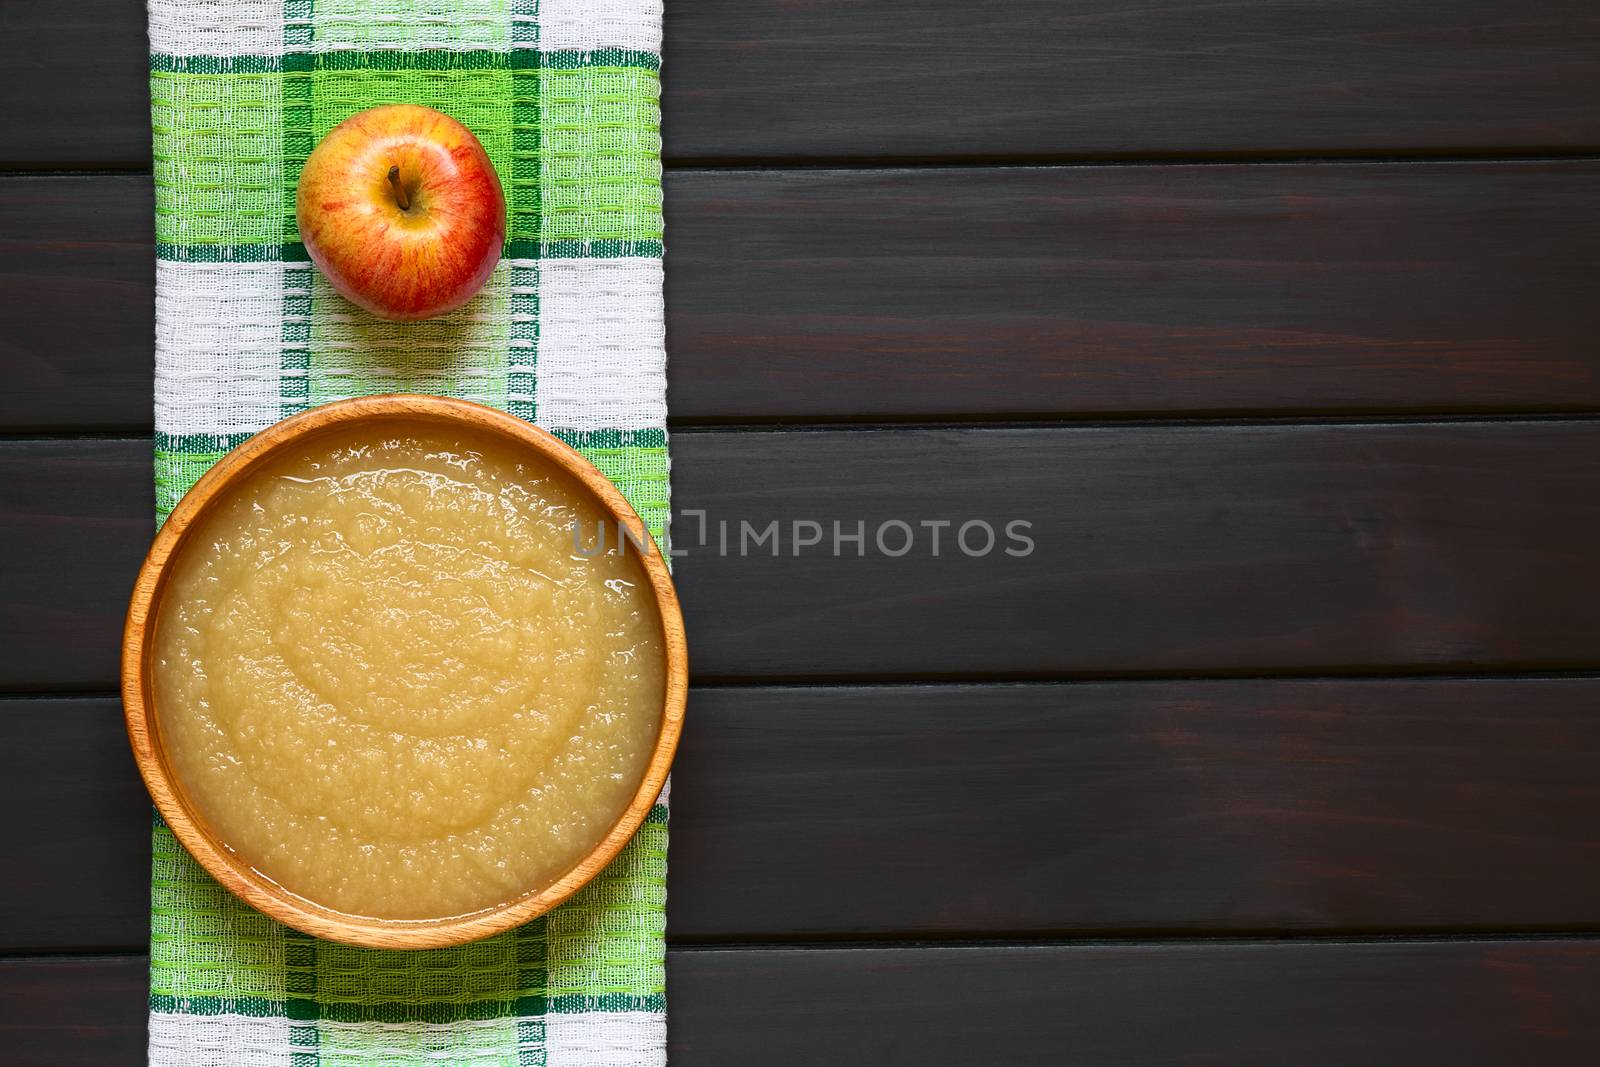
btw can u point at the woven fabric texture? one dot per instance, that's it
(568, 333)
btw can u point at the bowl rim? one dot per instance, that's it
(166, 790)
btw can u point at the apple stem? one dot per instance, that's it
(399, 190)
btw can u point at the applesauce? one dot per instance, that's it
(390, 681)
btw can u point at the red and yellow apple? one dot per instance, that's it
(400, 207)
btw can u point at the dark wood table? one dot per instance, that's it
(1278, 320)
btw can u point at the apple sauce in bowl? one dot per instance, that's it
(387, 682)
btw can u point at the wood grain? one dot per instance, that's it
(78, 840)
(1130, 809)
(910, 78)
(77, 329)
(366, 418)
(1016, 292)
(775, 79)
(70, 1012)
(1137, 809)
(76, 82)
(76, 518)
(1176, 549)
(1194, 549)
(1401, 1004)
(984, 293)
(1398, 1003)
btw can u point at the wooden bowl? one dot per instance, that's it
(167, 790)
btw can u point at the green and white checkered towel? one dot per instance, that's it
(568, 333)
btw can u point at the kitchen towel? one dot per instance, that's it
(568, 333)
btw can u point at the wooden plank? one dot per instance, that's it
(772, 79)
(947, 811)
(1112, 290)
(66, 1012)
(76, 519)
(77, 256)
(76, 78)
(1194, 807)
(977, 293)
(910, 78)
(1165, 549)
(1487, 1003)
(1178, 549)
(77, 844)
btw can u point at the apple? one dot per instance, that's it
(400, 207)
